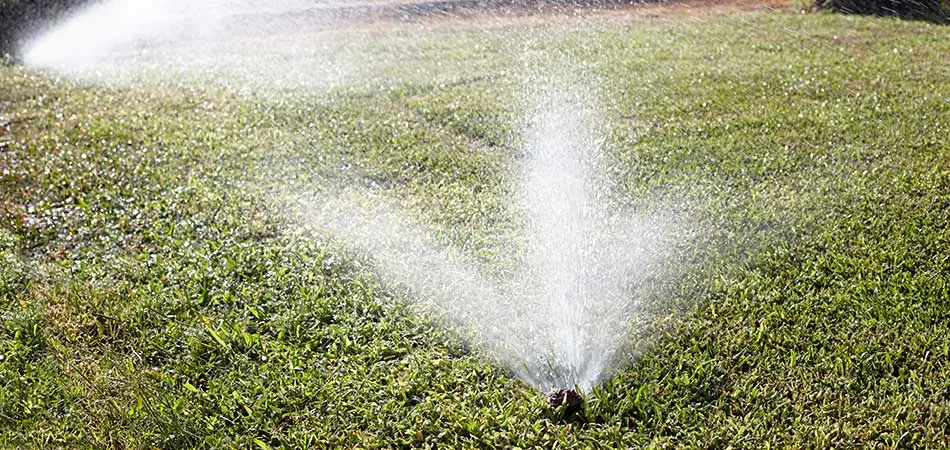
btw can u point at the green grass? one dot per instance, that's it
(154, 294)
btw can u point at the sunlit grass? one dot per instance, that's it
(152, 293)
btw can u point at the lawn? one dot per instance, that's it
(156, 291)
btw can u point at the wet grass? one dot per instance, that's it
(154, 294)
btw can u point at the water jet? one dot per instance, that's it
(561, 318)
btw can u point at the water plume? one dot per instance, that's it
(254, 46)
(561, 320)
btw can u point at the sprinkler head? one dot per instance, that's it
(569, 399)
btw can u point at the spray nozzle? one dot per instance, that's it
(565, 398)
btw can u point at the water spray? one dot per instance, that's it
(560, 321)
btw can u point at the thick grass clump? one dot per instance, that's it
(155, 293)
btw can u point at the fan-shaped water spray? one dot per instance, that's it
(560, 322)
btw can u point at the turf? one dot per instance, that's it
(153, 292)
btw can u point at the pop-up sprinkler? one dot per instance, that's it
(565, 398)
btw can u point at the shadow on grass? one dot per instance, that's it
(933, 11)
